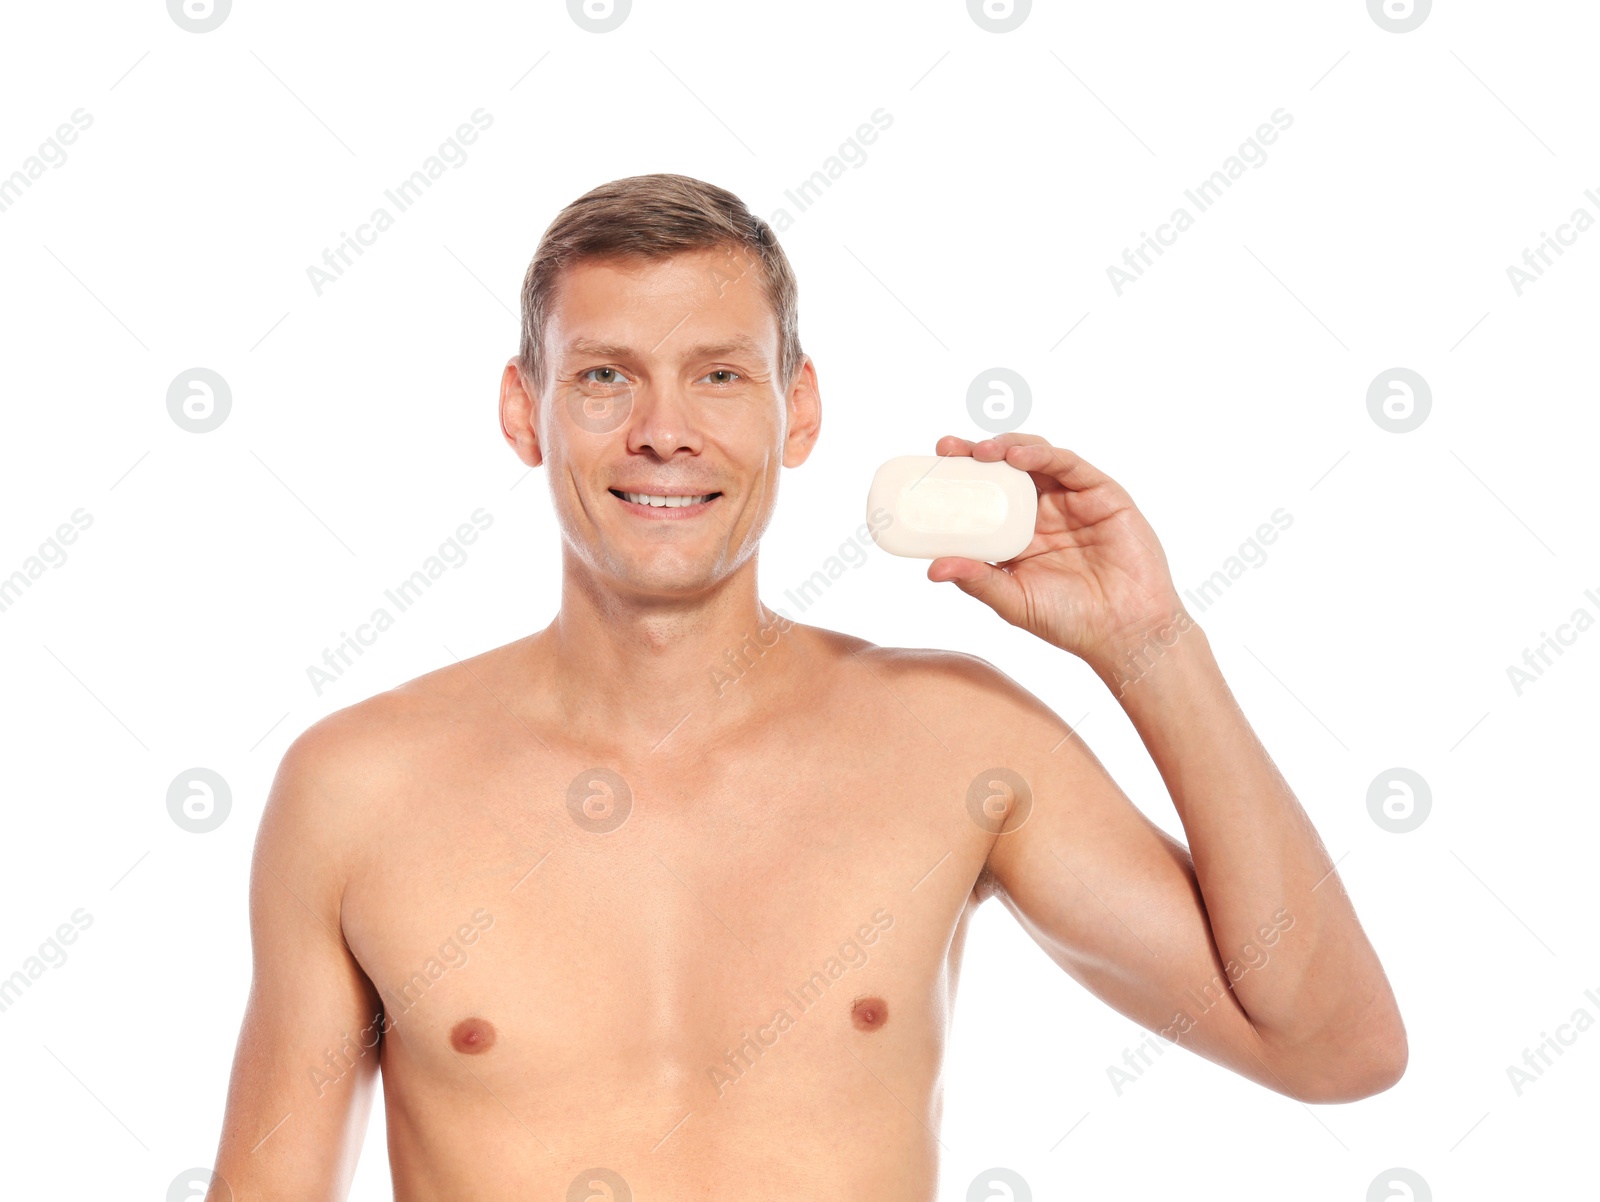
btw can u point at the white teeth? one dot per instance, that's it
(639, 498)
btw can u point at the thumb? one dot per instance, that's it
(997, 589)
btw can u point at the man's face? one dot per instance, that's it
(663, 383)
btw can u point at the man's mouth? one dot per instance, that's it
(664, 500)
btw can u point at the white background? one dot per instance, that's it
(1228, 382)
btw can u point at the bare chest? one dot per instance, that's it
(675, 928)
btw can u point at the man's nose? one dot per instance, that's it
(664, 420)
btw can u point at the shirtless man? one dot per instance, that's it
(621, 915)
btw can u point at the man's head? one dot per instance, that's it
(660, 355)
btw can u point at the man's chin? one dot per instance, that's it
(662, 577)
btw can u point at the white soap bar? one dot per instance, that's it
(952, 505)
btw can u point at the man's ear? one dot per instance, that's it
(519, 418)
(805, 415)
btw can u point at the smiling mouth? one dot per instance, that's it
(664, 500)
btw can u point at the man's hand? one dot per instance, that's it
(1094, 580)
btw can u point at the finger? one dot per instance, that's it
(993, 448)
(997, 447)
(1064, 467)
(997, 589)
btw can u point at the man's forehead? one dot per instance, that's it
(734, 344)
(693, 305)
(715, 268)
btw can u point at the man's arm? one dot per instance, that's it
(1244, 946)
(296, 1114)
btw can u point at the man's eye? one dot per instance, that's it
(722, 371)
(617, 376)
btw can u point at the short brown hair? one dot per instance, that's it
(653, 217)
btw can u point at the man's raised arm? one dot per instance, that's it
(1244, 946)
(296, 1116)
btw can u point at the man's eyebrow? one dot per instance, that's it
(739, 345)
(588, 346)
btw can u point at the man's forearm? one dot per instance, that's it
(1321, 990)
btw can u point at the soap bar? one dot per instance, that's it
(953, 505)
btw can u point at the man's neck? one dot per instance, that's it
(638, 671)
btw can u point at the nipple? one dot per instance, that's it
(472, 1035)
(869, 1013)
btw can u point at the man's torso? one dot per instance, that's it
(745, 982)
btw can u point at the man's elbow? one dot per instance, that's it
(1353, 1072)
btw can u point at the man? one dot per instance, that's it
(621, 914)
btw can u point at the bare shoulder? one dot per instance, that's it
(961, 687)
(982, 715)
(336, 776)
